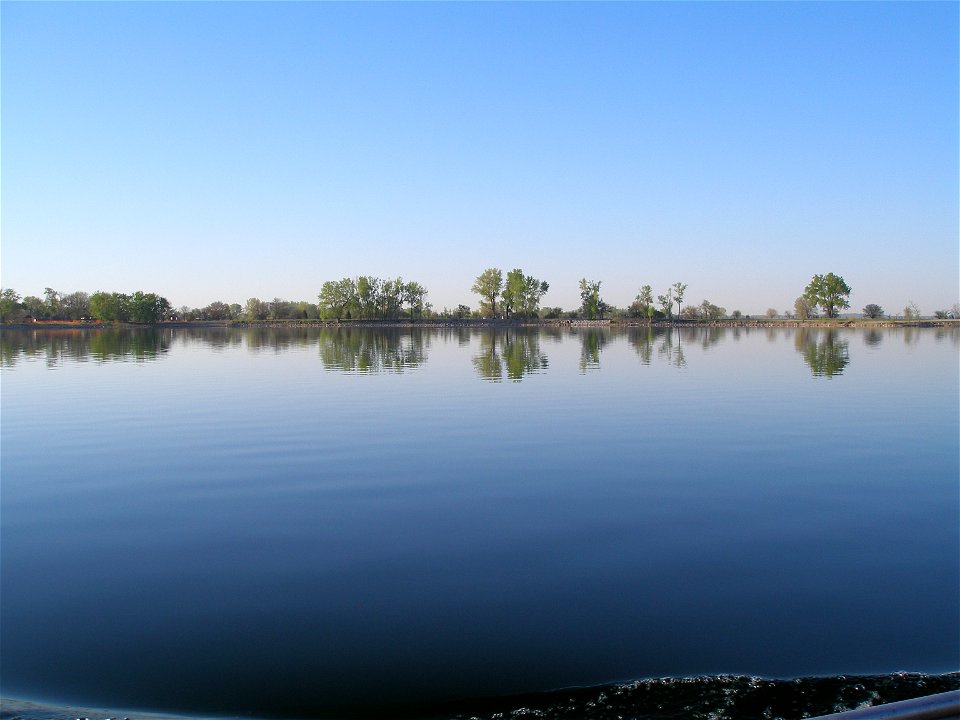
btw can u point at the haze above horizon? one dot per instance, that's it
(210, 151)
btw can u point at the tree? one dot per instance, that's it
(414, 293)
(803, 309)
(109, 307)
(873, 311)
(368, 295)
(591, 305)
(392, 298)
(256, 309)
(771, 313)
(216, 310)
(830, 292)
(10, 306)
(666, 303)
(911, 311)
(335, 297)
(75, 306)
(678, 290)
(52, 304)
(642, 305)
(522, 294)
(488, 285)
(709, 311)
(146, 307)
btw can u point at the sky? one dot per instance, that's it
(222, 151)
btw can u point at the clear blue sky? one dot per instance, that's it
(218, 151)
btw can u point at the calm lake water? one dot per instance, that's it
(343, 522)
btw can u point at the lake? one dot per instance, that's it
(350, 522)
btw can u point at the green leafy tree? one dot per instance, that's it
(665, 302)
(591, 304)
(256, 309)
(829, 292)
(678, 290)
(110, 307)
(643, 303)
(146, 308)
(216, 310)
(34, 307)
(522, 294)
(10, 307)
(534, 290)
(335, 297)
(304, 310)
(873, 311)
(393, 297)
(488, 285)
(414, 293)
(368, 295)
(75, 306)
(52, 304)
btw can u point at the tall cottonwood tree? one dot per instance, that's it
(488, 285)
(678, 290)
(522, 293)
(591, 304)
(829, 292)
(666, 302)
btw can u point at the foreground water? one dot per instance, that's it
(328, 523)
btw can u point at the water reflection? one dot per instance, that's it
(498, 353)
(55, 347)
(642, 341)
(872, 337)
(591, 345)
(672, 352)
(514, 352)
(824, 352)
(373, 350)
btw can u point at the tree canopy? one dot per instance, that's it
(592, 305)
(829, 292)
(488, 285)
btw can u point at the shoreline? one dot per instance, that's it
(486, 323)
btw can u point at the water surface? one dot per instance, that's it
(322, 522)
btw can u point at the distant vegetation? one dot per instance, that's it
(515, 295)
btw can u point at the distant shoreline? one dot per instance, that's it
(487, 323)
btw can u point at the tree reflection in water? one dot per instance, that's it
(56, 346)
(372, 350)
(514, 352)
(591, 345)
(825, 352)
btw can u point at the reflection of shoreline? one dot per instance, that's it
(507, 350)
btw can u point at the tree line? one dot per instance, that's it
(515, 295)
(137, 307)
